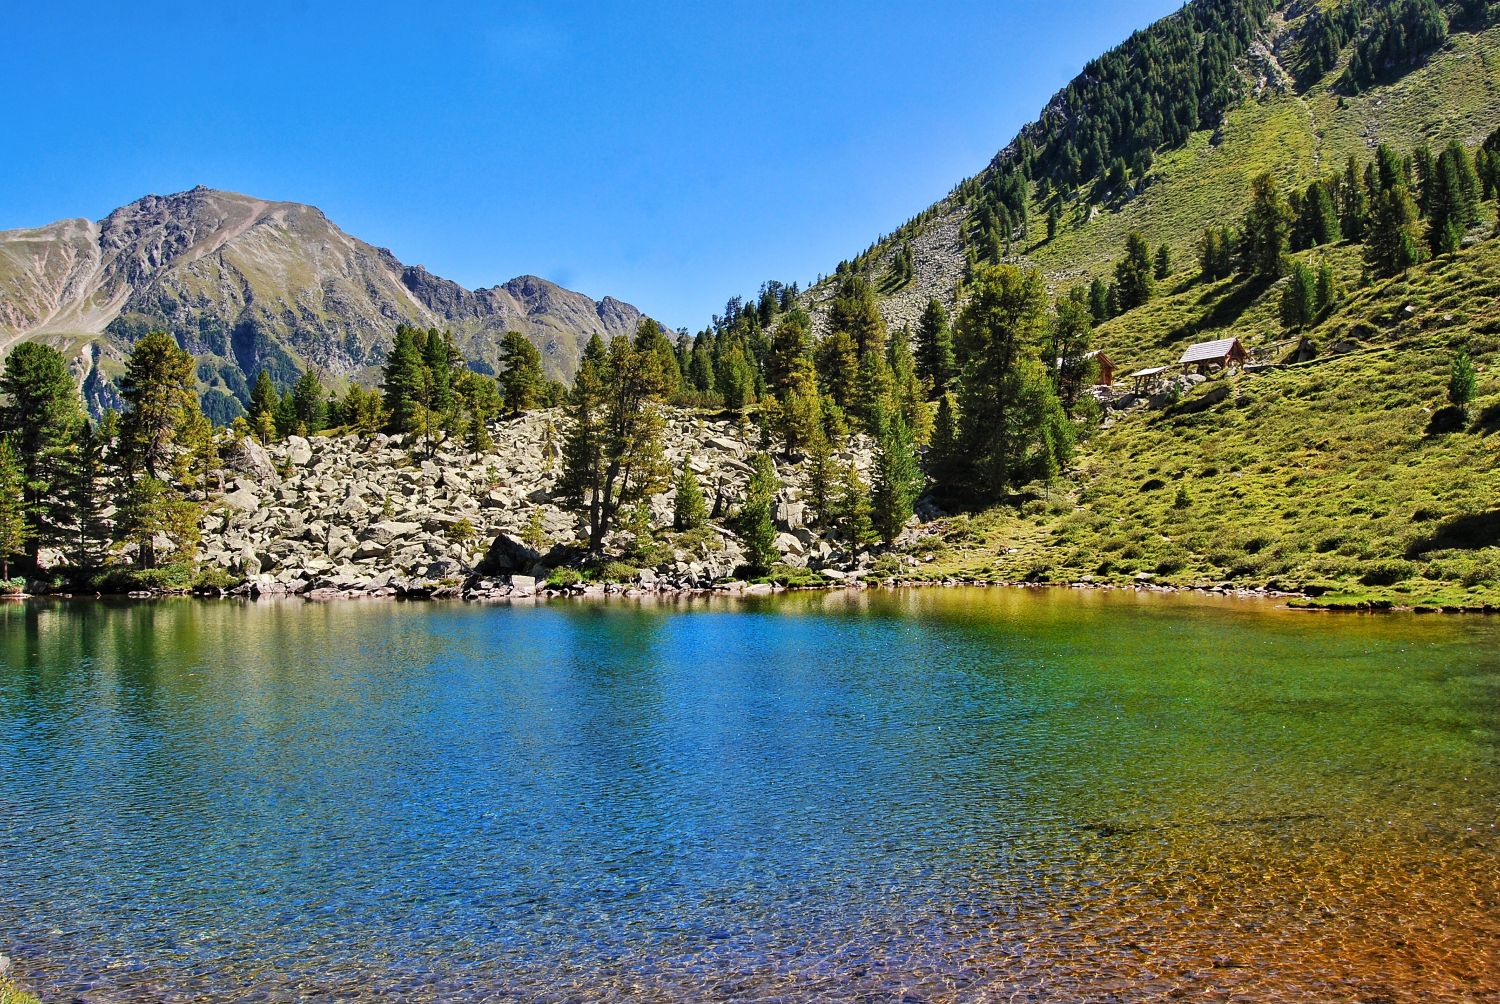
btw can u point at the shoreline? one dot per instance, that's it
(506, 589)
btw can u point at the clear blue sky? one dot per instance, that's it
(670, 154)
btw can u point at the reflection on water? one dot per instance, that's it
(941, 795)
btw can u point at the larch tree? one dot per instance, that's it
(14, 528)
(935, 360)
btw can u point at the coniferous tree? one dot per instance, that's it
(1072, 327)
(649, 337)
(1163, 263)
(1299, 298)
(1355, 202)
(851, 508)
(855, 312)
(42, 418)
(612, 457)
(820, 474)
(1329, 291)
(909, 391)
(164, 441)
(945, 462)
(874, 392)
(935, 360)
(1099, 301)
(736, 378)
(1319, 221)
(1135, 277)
(757, 518)
(1462, 381)
(405, 381)
(479, 405)
(1393, 244)
(310, 403)
(1013, 427)
(689, 507)
(1266, 232)
(86, 498)
(14, 526)
(838, 367)
(264, 403)
(897, 482)
(521, 379)
(793, 381)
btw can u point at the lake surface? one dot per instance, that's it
(967, 795)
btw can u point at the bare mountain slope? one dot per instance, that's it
(246, 284)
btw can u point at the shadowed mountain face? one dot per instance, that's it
(247, 284)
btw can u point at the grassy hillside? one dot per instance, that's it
(1346, 476)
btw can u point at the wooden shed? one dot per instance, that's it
(1226, 353)
(1105, 376)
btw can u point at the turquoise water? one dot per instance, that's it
(938, 795)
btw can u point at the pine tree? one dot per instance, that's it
(479, 404)
(1392, 244)
(838, 367)
(820, 475)
(264, 402)
(855, 312)
(521, 379)
(757, 519)
(935, 360)
(405, 381)
(897, 482)
(649, 337)
(851, 509)
(1163, 263)
(1099, 301)
(1266, 231)
(1356, 204)
(1072, 328)
(87, 500)
(909, 390)
(945, 462)
(793, 381)
(612, 455)
(163, 442)
(1462, 381)
(1135, 277)
(15, 529)
(1330, 293)
(874, 392)
(689, 507)
(310, 402)
(1299, 298)
(42, 418)
(1319, 221)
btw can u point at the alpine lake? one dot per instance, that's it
(927, 795)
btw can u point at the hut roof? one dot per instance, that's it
(1207, 352)
(1153, 371)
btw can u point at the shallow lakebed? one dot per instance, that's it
(971, 794)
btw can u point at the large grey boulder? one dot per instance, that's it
(507, 555)
(246, 457)
(298, 451)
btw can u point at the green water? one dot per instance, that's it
(936, 795)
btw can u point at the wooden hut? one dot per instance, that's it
(1226, 353)
(1104, 376)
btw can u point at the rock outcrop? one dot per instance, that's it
(346, 516)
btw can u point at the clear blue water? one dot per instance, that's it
(939, 795)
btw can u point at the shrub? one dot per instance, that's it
(1387, 573)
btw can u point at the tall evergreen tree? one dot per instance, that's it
(1266, 232)
(612, 455)
(855, 312)
(1072, 328)
(1355, 202)
(897, 482)
(42, 417)
(405, 381)
(1135, 276)
(264, 402)
(1462, 381)
(793, 381)
(1299, 298)
(838, 367)
(935, 360)
(757, 526)
(649, 337)
(689, 507)
(1393, 243)
(310, 403)
(521, 379)
(1319, 222)
(15, 528)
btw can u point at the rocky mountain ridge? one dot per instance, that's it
(248, 284)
